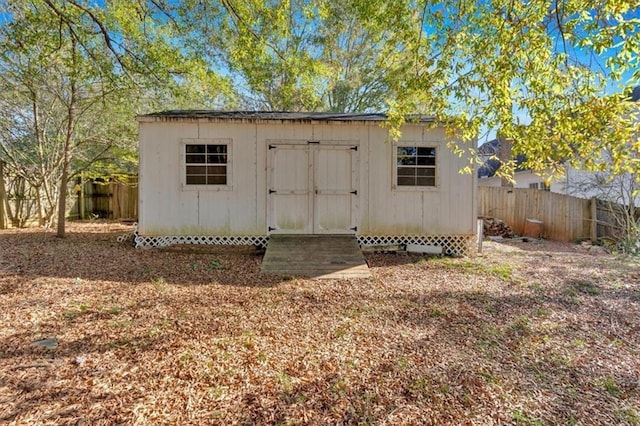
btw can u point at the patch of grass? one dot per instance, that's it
(522, 418)
(217, 392)
(403, 363)
(578, 343)
(419, 386)
(543, 313)
(154, 331)
(215, 264)
(503, 271)
(339, 387)
(456, 264)
(186, 357)
(585, 287)
(444, 388)
(247, 341)
(341, 331)
(572, 421)
(488, 377)
(522, 325)
(353, 313)
(74, 312)
(490, 338)
(122, 323)
(160, 284)
(629, 415)
(609, 384)
(436, 313)
(285, 382)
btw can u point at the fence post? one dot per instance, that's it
(594, 219)
(3, 196)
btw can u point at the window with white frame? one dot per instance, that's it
(415, 166)
(206, 164)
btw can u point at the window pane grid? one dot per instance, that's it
(416, 166)
(206, 164)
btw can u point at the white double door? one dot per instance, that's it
(312, 188)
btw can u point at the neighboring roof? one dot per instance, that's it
(635, 94)
(491, 165)
(274, 116)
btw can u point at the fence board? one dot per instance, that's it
(112, 200)
(565, 218)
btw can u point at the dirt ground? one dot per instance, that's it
(93, 331)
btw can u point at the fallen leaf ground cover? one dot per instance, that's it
(535, 333)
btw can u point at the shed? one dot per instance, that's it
(219, 177)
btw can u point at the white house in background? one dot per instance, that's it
(211, 177)
(575, 182)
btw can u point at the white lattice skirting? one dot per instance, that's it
(166, 241)
(454, 245)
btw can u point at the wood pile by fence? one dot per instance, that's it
(494, 227)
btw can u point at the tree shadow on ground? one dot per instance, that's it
(100, 257)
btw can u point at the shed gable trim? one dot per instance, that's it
(277, 117)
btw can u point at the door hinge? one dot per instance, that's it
(270, 228)
(354, 192)
(354, 148)
(316, 142)
(272, 147)
(271, 191)
(355, 228)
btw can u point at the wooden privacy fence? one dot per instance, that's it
(111, 200)
(564, 218)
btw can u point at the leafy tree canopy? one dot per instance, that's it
(539, 72)
(550, 75)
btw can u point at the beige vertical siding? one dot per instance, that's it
(167, 207)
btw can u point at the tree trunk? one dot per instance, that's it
(3, 196)
(62, 202)
(64, 180)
